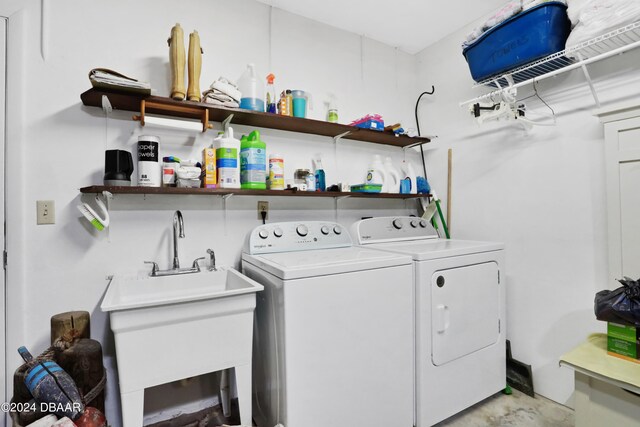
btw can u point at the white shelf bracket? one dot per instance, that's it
(335, 206)
(342, 135)
(589, 81)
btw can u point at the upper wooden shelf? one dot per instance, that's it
(240, 192)
(131, 102)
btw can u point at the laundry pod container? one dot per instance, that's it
(526, 37)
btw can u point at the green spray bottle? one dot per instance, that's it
(253, 162)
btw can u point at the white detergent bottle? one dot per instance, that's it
(227, 160)
(408, 172)
(393, 177)
(376, 173)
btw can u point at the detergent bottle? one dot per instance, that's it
(251, 89)
(409, 173)
(227, 160)
(376, 173)
(393, 177)
(253, 162)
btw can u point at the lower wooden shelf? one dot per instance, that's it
(240, 192)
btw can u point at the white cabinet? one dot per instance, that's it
(622, 168)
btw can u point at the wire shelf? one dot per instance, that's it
(593, 50)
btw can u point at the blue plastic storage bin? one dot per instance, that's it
(530, 35)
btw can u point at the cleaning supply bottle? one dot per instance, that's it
(251, 90)
(321, 183)
(270, 97)
(376, 173)
(253, 162)
(227, 160)
(409, 173)
(332, 109)
(289, 103)
(393, 177)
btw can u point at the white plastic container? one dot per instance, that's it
(252, 90)
(228, 160)
(276, 172)
(376, 173)
(393, 177)
(408, 172)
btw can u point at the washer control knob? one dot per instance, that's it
(423, 223)
(302, 230)
(337, 229)
(324, 230)
(414, 223)
(277, 232)
(263, 234)
(397, 223)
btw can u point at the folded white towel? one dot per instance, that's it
(227, 87)
(214, 96)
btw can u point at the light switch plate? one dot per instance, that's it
(46, 211)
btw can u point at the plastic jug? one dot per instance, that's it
(253, 162)
(300, 101)
(393, 177)
(376, 173)
(409, 173)
(227, 160)
(252, 90)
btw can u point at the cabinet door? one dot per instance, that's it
(622, 157)
(630, 216)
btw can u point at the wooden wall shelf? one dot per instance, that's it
(239, 192)
(131, 102)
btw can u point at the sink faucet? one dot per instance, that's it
(178, 230)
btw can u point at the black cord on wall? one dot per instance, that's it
(424, 166)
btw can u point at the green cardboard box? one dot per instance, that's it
(623, 341)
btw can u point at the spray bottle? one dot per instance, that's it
(321, 183)
(270, 97)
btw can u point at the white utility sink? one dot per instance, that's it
(173, 327)
(135, 291)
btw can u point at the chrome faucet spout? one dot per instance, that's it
(178, 231)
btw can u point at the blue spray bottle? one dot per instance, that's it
(321, 183)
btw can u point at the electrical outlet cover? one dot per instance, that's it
(46, 211)
(263, 206)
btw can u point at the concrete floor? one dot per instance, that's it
(517, 410)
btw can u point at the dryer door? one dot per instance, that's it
(464, 311)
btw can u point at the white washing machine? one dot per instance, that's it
(333, 336)
(460, 313)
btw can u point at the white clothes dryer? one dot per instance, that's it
(333, 336)
(459, 313)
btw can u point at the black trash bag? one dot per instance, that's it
(621, 305)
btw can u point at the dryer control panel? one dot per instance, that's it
(296, 236)
(392, 229)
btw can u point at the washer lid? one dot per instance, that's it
(297, 265)
(421, 250)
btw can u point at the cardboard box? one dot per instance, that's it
(209, 176)
(623, 342)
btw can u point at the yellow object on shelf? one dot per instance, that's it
(194, 67)
(177, 61)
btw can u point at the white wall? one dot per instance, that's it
(541, 192)
(59, 144)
